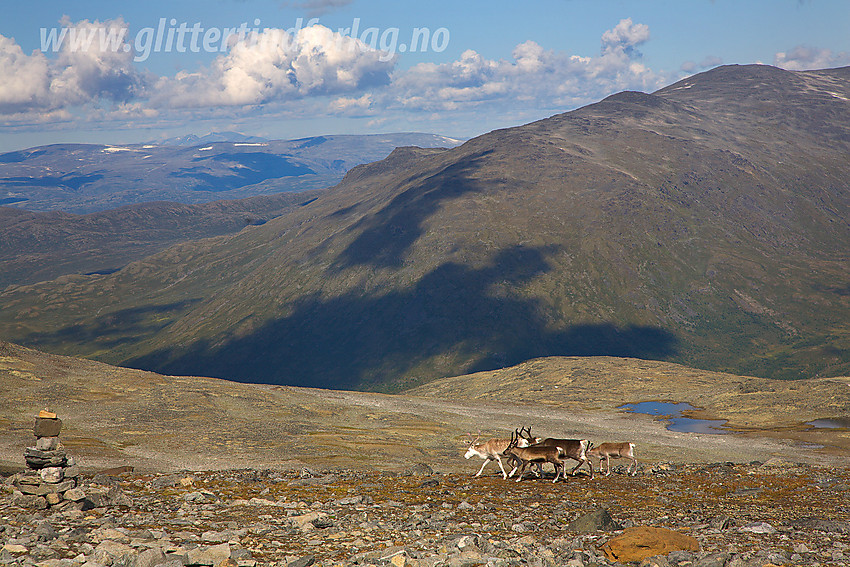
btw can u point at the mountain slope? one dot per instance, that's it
(85, 178)
(43, 246)
(705, 223)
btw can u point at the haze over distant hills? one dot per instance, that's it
(85, 178)
(705, 223)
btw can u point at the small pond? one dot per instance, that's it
(672, 412)
(831, 423)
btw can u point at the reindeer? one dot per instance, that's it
(491, 450)
(616, 451)
(534, 454)
(575, 449)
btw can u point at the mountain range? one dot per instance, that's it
(705, 223)
(86, 178)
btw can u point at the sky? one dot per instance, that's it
(121, 73)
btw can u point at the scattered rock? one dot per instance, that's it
(262, 518)
(305, 561)
(759, 528)
(419, 469)
(212, 555)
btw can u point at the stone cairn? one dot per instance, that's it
(51, 475)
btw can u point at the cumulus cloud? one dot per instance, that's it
(804, 57)
(26, 79)
(275, 65)
(92, 65)
(625, 37)
(535, 75)
(314, 71)
(99, 65)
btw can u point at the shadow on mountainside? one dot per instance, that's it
(386, 235)
(126, 326)
(454, 320)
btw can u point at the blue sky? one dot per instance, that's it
(308, 67)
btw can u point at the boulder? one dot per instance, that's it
(638, 543)
(212, 555)
(150, 558)
(589, 523)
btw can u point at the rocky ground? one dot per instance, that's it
(753, 514)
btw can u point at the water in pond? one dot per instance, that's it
(672, 412)
(833, 423)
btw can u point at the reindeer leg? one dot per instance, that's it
(504, 474)
(521, 471)
(481, 470)
(559, 468)
(607, 465)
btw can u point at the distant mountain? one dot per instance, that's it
(194, 140)
(705, 223)
(85, 178)
(44, 246)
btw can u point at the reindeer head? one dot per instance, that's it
(470, 447)
(525, 432)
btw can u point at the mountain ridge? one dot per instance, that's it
(642, 225)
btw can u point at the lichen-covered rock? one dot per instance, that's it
(638, 543)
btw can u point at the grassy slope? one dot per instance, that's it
(116, 416)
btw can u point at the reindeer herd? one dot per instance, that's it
(522, 449)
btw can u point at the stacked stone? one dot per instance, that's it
(51, 475)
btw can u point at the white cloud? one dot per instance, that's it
(625, 37)
(535, 76)
(315, 73)
(88, 69)
(804, 57)
(99, 66)
(26, 80)
(277, 66)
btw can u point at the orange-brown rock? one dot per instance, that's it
(638, 543)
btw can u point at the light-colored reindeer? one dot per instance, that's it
(491, 450)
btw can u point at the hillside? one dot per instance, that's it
(87, 178)
(44, 246)
(117, 416)
(705, 224)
